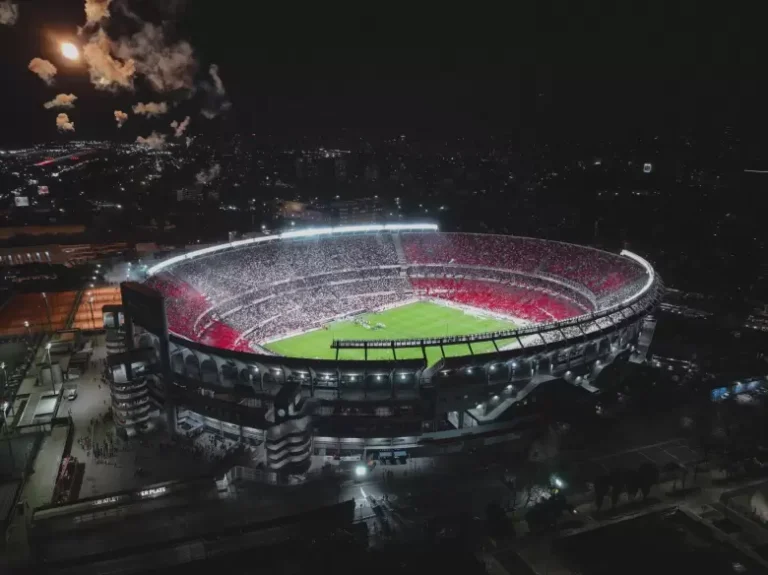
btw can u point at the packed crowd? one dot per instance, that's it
(599, 271)
(229, 273)
(518, 301)
(269, 289)
(299, 306)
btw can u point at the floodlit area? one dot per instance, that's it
(88, 314)
(416, 320)
(28, 312)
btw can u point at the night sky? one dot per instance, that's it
(559, 70)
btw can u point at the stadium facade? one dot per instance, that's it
(196, 335)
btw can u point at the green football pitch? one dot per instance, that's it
(415, 320)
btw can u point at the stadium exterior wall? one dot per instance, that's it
(397, 403)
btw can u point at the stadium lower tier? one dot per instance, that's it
(297, 407)
(293, 307)
(528, 304)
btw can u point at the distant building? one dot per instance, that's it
(192, 194)
(372, 173)
(359, 211)
(340, 168)
(300, 211)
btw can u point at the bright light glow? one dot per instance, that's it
(70, 51)
(648, 283)
(288, 235)
(48, 346)
(361, 471)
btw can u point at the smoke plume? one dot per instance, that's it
(206, 177)
(96, 10)
(167, 67)
(121, 118)
(44, 69)
(61, 101)
(218, 84)
(180, 127)
(150, 109)
(154, 141)
(9, 13)
(63, 124)
(215, 95)
(107, 73)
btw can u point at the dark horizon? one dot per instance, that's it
(552, 75)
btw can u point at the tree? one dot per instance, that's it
(602, 485)
(545, 514)
(648, 476)
(673, 467)
(633, 482)
(496, 519)
(618, 484)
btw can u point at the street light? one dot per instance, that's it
(48, 311)
(93, 318)
(50, 366)
(5, 383)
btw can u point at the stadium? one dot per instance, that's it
(375, 341)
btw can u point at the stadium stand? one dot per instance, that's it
(263, 290)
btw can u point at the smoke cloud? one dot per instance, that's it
(150, 109)
(107, 73)
(216, 95)
(218, 84)
(207, 176)
(167, 67)
(61, 101)
(121, 118)
(96, 10)
(44, 69)
(9, 13)
(180, 127)
(63, 124)
(154, 141)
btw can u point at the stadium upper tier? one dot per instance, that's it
(257, 290)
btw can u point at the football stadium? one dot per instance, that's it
(365, 341)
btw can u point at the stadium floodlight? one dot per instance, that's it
(648, 270)
(306, 233)
(411, 227)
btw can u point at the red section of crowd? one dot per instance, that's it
(184, 304)
(599, 271)
(522, 302)
(219, 334)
